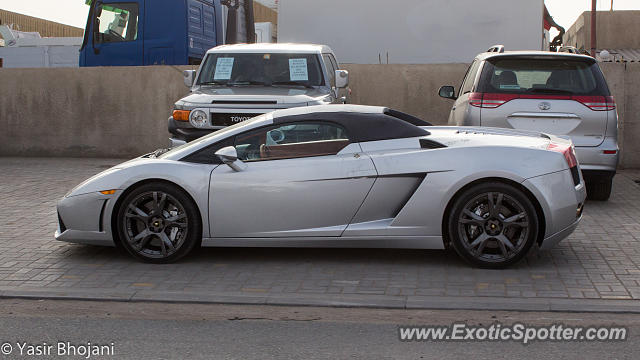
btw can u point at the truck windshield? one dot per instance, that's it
(261, 69)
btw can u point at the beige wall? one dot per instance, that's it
(122, 111)
(104, 112)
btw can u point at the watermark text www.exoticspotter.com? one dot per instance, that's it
(516, 332)
(61, 348)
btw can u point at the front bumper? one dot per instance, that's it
(184, 132)
(85, 219)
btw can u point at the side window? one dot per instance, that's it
(467, 85)
(117, 22)
(330, 67)
(208, 154)
(295, 140)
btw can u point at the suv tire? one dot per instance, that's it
(599, 188)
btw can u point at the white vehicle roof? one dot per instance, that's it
(272, 48)
(487, 55)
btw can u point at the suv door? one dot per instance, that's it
(558, 95)
(460, 109)
(301, 179)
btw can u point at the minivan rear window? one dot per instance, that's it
(542, 76)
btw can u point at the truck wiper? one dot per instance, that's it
(212, 83)
(249, 82)
(299, 83)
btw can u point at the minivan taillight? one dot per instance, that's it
(597, 103)
(489, 100)
(494, 100)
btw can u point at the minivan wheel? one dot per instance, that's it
(599, 188)
(158, 223)
(493, 225)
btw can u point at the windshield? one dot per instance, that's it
(261, 69)
(546, 76)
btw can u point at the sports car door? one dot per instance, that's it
(301, 179)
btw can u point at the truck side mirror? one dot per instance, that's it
(189, 76)
(447, 92)
(342, 79)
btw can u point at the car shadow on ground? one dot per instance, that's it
(251, 257)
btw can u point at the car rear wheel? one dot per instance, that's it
(158, 223)
(492, 225)
(599, 188)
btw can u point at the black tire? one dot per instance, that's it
(492, 239)
(599, 188)
(147, 217)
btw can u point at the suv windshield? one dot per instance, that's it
(261, 69)
(542, 76)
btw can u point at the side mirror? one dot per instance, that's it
(342, 79)
(229, 156)
(189, 76)
(447, 92)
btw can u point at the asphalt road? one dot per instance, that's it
(193, 331)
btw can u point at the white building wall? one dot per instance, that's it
(412, 31)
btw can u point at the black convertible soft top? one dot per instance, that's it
(363, 123)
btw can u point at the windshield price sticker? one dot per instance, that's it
(224, 66)
(298, 70)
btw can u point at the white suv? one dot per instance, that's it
(556, 93)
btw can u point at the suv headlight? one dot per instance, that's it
(198, 118)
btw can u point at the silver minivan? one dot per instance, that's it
(557, 93)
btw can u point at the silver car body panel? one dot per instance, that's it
(385, 193)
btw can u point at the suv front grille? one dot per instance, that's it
(227, 119)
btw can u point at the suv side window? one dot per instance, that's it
(331, 68)
(294, 140)
(467, 85)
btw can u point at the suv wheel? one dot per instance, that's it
(599, 188)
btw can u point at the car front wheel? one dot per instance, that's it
(158, 223)
(492, 225)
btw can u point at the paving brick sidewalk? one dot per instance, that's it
(600, 261)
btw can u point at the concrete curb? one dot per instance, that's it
(332, 300)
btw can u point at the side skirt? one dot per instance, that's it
(386, 242)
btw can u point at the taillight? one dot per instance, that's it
(597, 103)
(490, 100)
(493, 100)
(566, 150)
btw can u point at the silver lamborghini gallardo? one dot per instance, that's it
(336, 176)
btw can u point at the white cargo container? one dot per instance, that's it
(29, 50)
(412, 31)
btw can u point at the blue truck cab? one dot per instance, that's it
(150, 32)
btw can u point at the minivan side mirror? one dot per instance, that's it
(189, 76)
(447, 92)
(342, 79)
(229, 156)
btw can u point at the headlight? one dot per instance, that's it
(198, 118)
